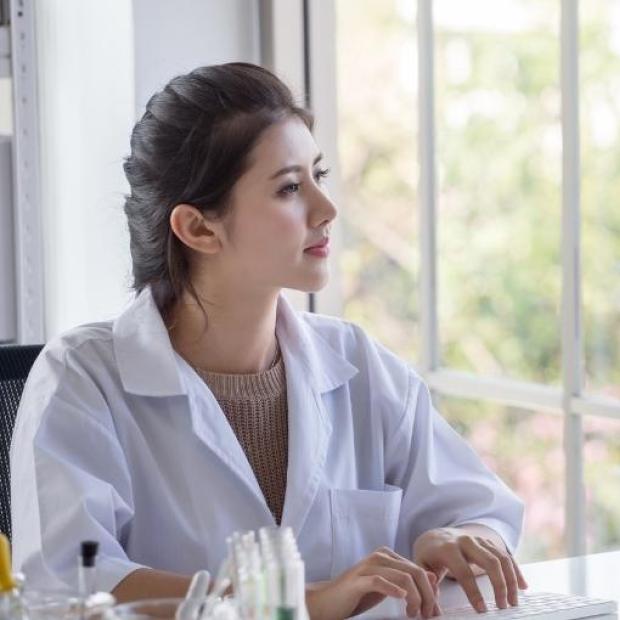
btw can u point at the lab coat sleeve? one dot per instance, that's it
(70, 480)
(444, 481)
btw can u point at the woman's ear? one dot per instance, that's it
(195, 230)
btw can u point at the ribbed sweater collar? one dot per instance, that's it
(232, 387)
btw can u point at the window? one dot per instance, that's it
(499, 166)
(599, 39)
(481, 236)
(378, 155)
(525, 449)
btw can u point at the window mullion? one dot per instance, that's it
(571, 297)
(429, 357)
(283, 51)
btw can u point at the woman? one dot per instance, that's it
(209, 405)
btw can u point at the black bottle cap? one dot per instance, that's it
(88, 550)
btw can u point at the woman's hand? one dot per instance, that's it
(452, 550)
(383, 573)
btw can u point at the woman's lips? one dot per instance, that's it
(320, 250)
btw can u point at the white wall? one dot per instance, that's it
(86, 107)
(173, 37)
(98, 64)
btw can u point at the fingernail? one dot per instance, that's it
(481, 607)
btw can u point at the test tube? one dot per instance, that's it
(86, 568)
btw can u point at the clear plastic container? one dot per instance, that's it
(49, 605)
(160, 608)
(166, 608)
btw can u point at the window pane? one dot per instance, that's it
(600, 145)
(602, 479)
(499, 179)
(378, 155)
(525, 450)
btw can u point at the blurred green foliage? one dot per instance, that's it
(499, 162)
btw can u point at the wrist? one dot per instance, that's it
(316, 585)
(314, 599)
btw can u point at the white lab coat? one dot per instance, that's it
(117, 439)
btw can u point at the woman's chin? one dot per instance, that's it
(313, 285)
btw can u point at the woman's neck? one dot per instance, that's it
(239, 337)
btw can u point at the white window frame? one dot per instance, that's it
(29, 275)
(298, 44)
(282, 50)
(569, 400)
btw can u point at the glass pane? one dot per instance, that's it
(602, 479)
(525, 450)
(499, 180)
(376, 70)
(600, 192)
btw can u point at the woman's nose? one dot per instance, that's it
(324, 209)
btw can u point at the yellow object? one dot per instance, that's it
(6, 576)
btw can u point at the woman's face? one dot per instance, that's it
(280, 209)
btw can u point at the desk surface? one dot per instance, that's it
(596, 575)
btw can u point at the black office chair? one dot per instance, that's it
(15, 364)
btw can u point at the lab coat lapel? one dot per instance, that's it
(312, 369)
(211, 426)
(308, 438)
(149, 366)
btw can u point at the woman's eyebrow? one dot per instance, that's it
(295, 168)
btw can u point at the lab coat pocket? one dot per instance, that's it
(362, 521)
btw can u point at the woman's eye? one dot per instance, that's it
(290, 189)
(294, 187)
(324, 172)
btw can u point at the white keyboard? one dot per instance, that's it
(540, 605)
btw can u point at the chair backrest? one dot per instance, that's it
(15, 364)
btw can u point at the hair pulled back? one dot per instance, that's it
(191, 146)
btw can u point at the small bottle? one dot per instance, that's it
(293, 584)
(87, 575)
(11, 605)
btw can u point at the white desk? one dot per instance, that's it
(596, 575)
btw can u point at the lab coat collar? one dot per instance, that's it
(144, 354)
(325, 368)
(148, 365)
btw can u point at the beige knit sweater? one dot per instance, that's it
(256, 408)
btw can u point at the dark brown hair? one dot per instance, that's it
(191, 146)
